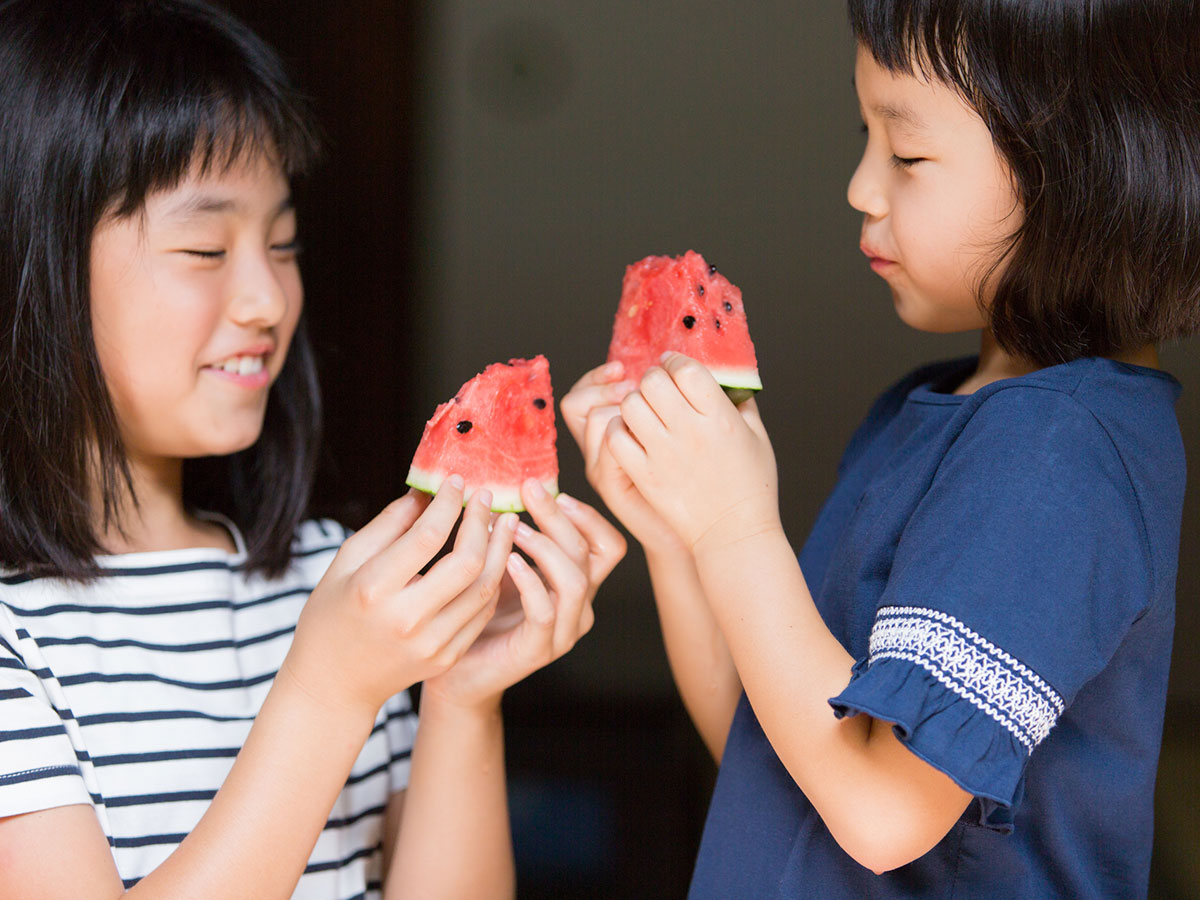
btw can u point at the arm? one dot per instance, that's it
(453, 839)
(696, 650)
(883, 804)
(370, 629)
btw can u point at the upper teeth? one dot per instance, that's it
(242, 365)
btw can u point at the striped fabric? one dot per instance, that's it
(133, 694)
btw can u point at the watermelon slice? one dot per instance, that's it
(496, 432)
(682, 303)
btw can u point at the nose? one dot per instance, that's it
(865, 191)
(262, 291)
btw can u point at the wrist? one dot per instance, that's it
(322, 696)
(443, 704)
(735, 530)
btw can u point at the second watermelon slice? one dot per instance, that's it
(684, 304)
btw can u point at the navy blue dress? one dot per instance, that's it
(1002, 567)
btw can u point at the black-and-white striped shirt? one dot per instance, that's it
(135, 693)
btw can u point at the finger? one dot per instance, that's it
(535, 599)
(393, 567)
(624, 447)
(606, 545)
(567, 581)
(550, 520)
(593, 435)
(663, 396)
(640, 418)
(387, 527)
(442, 599)
(749, 410)
(455, 572)
(694, 382)
(598, 387)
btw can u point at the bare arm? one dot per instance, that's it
(367, 631)
(883, 804)
(696, 650)
(454, 838)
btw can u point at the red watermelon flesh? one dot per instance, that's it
(682, 303)
(496, 432)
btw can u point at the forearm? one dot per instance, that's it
(256, 837)
(455, 839)
(881, 802)
(696, 649)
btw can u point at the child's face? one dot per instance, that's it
(193, 306)
(936, 198)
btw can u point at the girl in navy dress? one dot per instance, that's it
(202, 693)
(957, 691)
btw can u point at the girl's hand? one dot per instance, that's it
(374, 625)
(704, 465)
(543, 611)
(588, 410)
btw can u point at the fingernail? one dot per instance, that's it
(485, 497)
(456, 482)
(566, 500)
(535, 488)
(524, 530)
(666, 355)
(613, 368)
(515, 561)
(509, 521)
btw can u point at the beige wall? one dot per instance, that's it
(564, 140)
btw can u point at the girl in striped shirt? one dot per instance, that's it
(202, 694)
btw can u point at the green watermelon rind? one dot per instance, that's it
(505, 497)
(743, 379)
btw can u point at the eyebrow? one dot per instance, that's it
(900, 115)
(199, 205)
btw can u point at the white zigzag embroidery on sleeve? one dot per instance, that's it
(972, 667)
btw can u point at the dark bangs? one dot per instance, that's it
(1093, 107)
(103, 102)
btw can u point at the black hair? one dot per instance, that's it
(1095, 107)
(103, 102)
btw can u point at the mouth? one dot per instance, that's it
(878, 262)
(247, 369)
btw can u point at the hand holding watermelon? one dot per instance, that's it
(705, 466)
(374, 625)
(543, 611)
(589, 409)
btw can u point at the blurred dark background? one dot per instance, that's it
(491, 168)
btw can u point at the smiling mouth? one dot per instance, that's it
(241, 365)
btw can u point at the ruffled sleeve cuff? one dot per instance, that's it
(950, 729)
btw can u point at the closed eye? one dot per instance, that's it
(290, 248)
(904, 162)
(205, 254)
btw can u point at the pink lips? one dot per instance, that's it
(879, 264)
(249, 380)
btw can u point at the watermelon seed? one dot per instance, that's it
(728, 306)
(700, 289)
(463, 427)
(712, 270)
(689, 321)
(718, 321)
(539, 403)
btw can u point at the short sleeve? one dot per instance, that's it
(1016, 578)
(401, 729)
(39, 768)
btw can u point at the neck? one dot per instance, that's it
(995, 363)
(157, 519)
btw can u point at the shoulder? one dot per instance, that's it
(888, 404)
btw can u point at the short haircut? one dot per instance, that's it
(103, 102)
(1093, 106)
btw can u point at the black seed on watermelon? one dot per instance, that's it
(689, 321)
(539, 403)
(728, 306)
(712, 270)
(718, 324)
(463, 427)
(700, 289)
